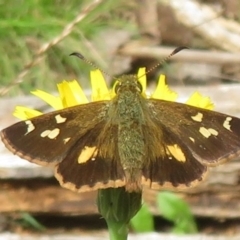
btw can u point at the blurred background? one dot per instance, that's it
(119, 37)
(36, 39)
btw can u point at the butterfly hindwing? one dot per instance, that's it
(175, 167)
(93, 162)
(47, 139)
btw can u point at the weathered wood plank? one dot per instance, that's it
(44, 196)
(217, 200)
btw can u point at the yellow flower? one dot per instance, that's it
(99, 87)
(198, 100)
(163, 92)
(25, 113)
(71, 94)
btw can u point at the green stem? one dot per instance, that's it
(118, 207)
(117, 230)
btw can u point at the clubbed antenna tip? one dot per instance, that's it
(77, 54)
(178, 49)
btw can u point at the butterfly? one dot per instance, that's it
(129, 141)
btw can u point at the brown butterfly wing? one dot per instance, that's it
(47, 139)
(186, 140)
(93, 162)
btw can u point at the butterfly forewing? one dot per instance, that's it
(47, 139)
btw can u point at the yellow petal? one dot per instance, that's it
(142, 79)
(53, 101)
(197, 100)
(71, 93)
(77, 92)
(25, 113)
(99, 87)
(163, 92)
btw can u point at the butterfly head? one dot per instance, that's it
(128, 83)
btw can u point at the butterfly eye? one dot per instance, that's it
(116, 86)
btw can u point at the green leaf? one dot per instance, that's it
(143, 220)
(32, 222)
(176, 210)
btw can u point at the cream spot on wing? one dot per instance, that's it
(192, 139)
(60, 119)
(198, 117)
(213, 131)
(226, 123)
(204, 132)
(50, 133)
(45, 133)
(65, 140)
(176, 152)
(88, 153)
(54, 133)
(30, 126)
(208, 132)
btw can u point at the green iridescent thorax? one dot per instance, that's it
(129, 105)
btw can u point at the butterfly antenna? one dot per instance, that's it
(175, 51)
(79, 55)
